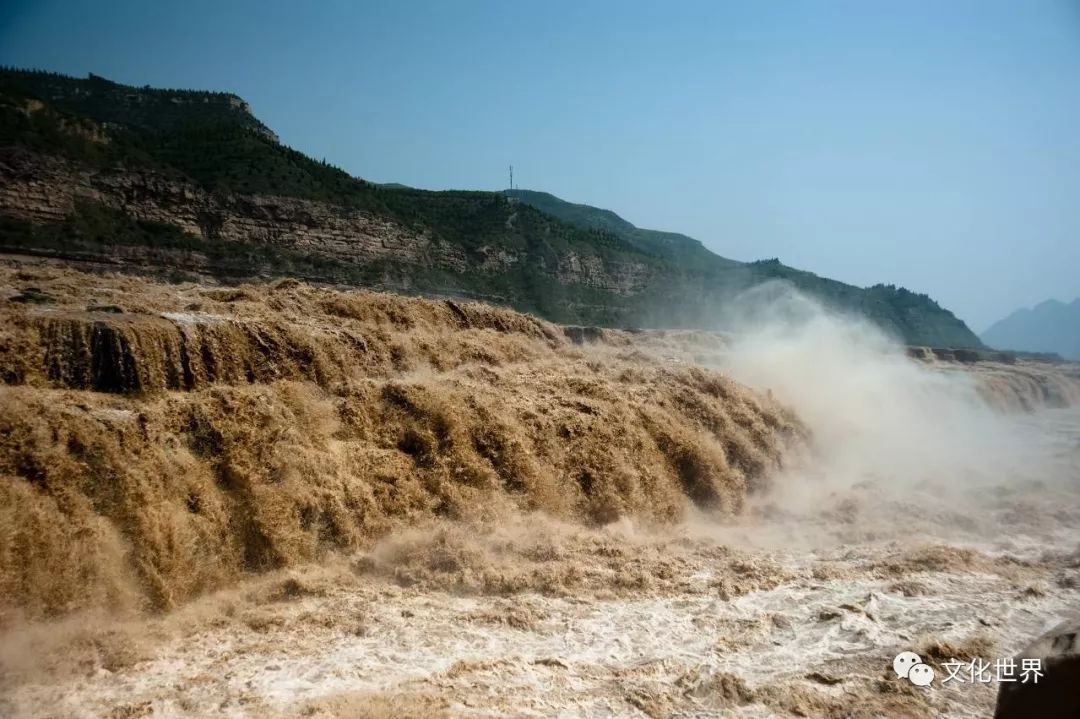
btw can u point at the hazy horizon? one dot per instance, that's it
(924, 146)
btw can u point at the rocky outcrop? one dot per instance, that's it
(1056, 695)
(43, 189)
(591, 271)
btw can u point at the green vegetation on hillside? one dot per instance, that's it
(144, 108)
(229, 151)
(914, 317)
(672, 246)
(213, 141)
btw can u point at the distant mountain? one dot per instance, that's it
(1051, 326)
(183, 183)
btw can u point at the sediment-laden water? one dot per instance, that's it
(285, 501)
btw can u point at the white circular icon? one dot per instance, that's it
(903, 663)
(921, 675)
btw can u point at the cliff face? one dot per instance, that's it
(43, 189)
(48, 190)
(177, 182)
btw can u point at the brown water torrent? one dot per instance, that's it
(363, 505)
(152, 456)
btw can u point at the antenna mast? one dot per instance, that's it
(511, 177)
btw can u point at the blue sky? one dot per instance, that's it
(934, 145)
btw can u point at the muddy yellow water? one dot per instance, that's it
(290, 501)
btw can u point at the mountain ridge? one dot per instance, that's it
(193, 182)
(671, 245)
(1051, 326)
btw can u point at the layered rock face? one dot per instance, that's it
(42, 189)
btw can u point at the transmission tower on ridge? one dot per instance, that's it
(511, 177)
